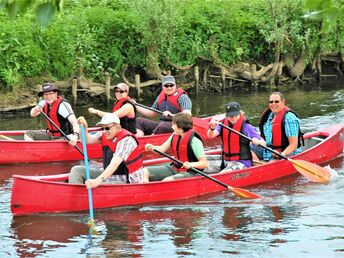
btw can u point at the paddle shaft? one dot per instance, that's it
(149, 108)
(194, 169)
(248, 138)
(83, 140)
(62, 132)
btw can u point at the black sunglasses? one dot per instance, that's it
(274, 101)
(106, 128)
(169, 85)
(120, 91)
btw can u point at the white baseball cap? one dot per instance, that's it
(109, 118)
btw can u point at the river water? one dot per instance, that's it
(295, 219)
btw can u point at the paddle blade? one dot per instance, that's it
(92, 226)
(244, 193)
(313, 172)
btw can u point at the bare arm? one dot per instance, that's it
(293, 141)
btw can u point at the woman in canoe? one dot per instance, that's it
(171, 100)
(124, 108)
(186, 145)
(122, 157)
(236, 153)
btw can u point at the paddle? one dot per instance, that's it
(62, 132)
(237, 191)
(90, 202)
(312, 172)
(198, 122)
(6, 137)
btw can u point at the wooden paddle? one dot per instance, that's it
(90, 199)
(237, 191)
(312, 172)
(197, 122)
(6, 138)
(62, 132)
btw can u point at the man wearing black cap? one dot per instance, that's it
(59, 111)
(236, 153)
(170, 101)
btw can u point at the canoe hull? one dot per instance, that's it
(62, 197)
(20, 151)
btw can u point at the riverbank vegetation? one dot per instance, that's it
(257, 42)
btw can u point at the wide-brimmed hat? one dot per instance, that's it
(109, 118)
(169, 79)
(232, 109)
(47, 87)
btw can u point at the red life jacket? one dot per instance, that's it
(60, 121)
(134, 161)
(279, 138)
(170, 103)
(235, 147)
(182, 150)
(126, 122)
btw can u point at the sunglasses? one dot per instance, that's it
(169, 85)
(120, 91)
(106, 128)
(274, 101)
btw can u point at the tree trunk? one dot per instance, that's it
(152, 57)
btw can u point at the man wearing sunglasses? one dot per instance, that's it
(122, 157)
(171, 100)
(280, 127)
(123, 107)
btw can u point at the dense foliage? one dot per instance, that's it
(98, 37)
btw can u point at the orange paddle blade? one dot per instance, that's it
(243, 193)
(313, 172)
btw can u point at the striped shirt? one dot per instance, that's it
(291, 125)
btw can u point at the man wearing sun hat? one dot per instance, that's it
(170, 101)
(59, 111)
(122, 156)
(236, 153)
(123, 107)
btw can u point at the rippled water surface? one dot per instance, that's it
(295, 219)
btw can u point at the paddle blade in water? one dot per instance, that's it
(313, 172)
(244, 193)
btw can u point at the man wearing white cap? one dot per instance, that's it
(59, 111)
(123, 107)
(170, 101)
(122, 157)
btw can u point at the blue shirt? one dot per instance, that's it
(291, 125)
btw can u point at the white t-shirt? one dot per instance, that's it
(65, 109)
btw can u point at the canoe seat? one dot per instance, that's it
(318, 138)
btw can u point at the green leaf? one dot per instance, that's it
(45, 13)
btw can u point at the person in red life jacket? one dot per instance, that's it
(280, 127)
(236, 153)
(59, 111)
(122, 157)
(170, 101)
(187, 146)
(124, 108)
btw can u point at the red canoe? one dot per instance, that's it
(55, 195)
(20, 151)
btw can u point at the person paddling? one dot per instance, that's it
(59, 111)
(187, 146)
(236, 152)
(170, 101)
